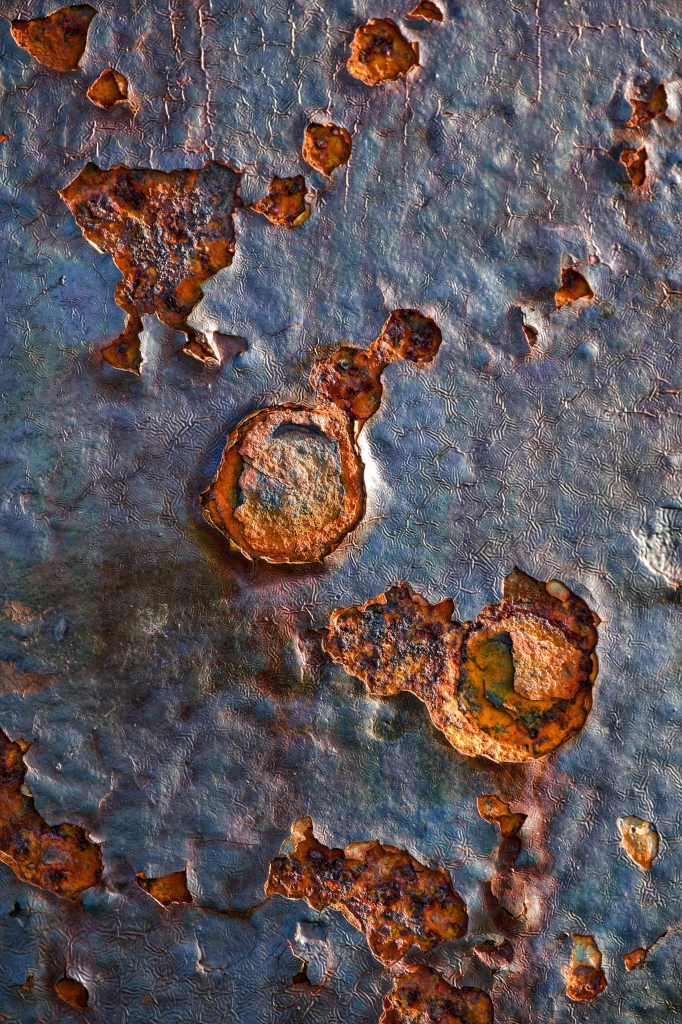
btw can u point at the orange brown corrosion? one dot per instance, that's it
(382, 891)
(494, 810)
(573, 286)
(109, 89)
(57, 41)
(636, 958)
(512, 686)
(648, 100)
(639, 839)
(72, 992)
(421, 995)
(168, 232)
(59, 858)
(326, 147)
(425, 10)
(166, 889)
(381, 53)
(584, 978)
(634, 161)
(285, 203)
(290, 485)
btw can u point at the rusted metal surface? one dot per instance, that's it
(57, 41)
(109, 89)
(422, 995)
(326, 147)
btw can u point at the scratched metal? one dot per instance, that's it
(159, 676)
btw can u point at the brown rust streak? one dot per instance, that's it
(421, 995)
(57, 41)
(59, 858)
(384, 892)
(381, 53)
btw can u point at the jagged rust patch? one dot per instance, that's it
(422, 995)
(57, 41)
(326, 147)
(72, 992)
(574, 285)
(512, 686)
(648, 100)
(585, 978)
(290, 485)
(494, 810)
(166, 889)
(59, 858)
(168, 232)
(384, 892)
(425, 10)
(381, 53)
(636, 958)
(109, 89)
(634, 161)
(639, 839)
(285, 203)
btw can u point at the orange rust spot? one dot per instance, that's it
(285, 202)
(494, 810)
(512, 686)
(425, 10)
(636, 958)
(585, 978)
(168, 232)
(72, 992)
(326, 147)
(382, 891)
(290, 485)
(634, 161)
(573, 286)
(59, 858)
(648, 101)
(4, 136)
(57, 41)
(381, 53)
(167, 889)
(639, 839)
(421, 995)
(109, 89)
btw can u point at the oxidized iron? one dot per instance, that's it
(381, 53)
(326, 147)
(57, 41)
(166, 889)
(421, 995)
(425, 10)
(585, 978)
(285, 203)
(109, 89)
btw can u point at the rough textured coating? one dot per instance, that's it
(168, 231)
(285, 203)
(639, 839)
(513, 685)
(326, 147)
(425, 10)
(381, 53)
(422, 996)
(59, 40)
(384, 892)
(109, 89)
(60, 858)
(585, 978)
(167, 889)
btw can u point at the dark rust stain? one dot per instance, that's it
(285, 203)
(57, 41)
(168, 232)
(326, 147)
(382, 891)
(648, 100)
(636, 958)
(166, 889)
(585, 978)
(634, 161)
(59, 858)
(573, 286)
(425, 10)
(381, 53)
(72, 992)
(422, 995)
(109, 89)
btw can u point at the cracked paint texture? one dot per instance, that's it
(160, 678)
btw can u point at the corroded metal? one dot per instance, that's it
(423, 995)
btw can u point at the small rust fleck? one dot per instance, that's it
(636, 958)
(573, 286)
(425, 10)
(494, 810)
(72, 992)
(109, 89)
(57, 41)
(512, 686)
(381, 53)
(326, 147)
(639, 839)
(166, 889)
(4, 136)
(648, 100)
(634, 161)
(585, 978)
(422, 995)
(285, 203)
(382, 891)
(168, 232)
(59, 858)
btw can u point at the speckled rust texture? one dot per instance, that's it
(423, 995)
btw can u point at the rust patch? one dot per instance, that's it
(381, 53)
(573, 286)
(512, 686)
(109, 89)
(639, 839)
(634, 161)
(57, 41)
(421, 995)
(59, 858)
(585, 978)
(290, 485)
(648, 100)
(326, 147)
(425, 10)
(72, 992)
(285, 203)
(13, 680)
(167, 889)
(384, 892)
(636, 958)
(168, 232)
(494, 810)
